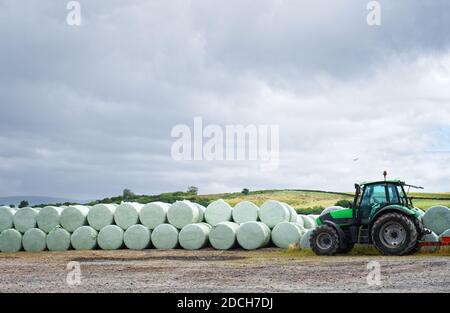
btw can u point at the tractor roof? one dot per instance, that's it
(392, 181)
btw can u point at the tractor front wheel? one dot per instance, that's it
(324, 240)
(394, 234)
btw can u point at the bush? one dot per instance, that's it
(345, 204)
(245, 191)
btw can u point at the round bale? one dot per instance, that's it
(182, 213)
(84, 238)
(437, 219)
(127, 214)
(300, 221)
(25, 219)
(245, 211)
(74, 217)
(308, 222)
(6, 217)
(34, 240)
(101, 215)
(165, 236)
(285, 234)
(223, 235)
(110, 237)
(48, 218)
(304, 241)
(218, 211)
(292, 212)
(201, 212)
(154, 214)
(253, 235)
(58, 239)
(194, 236)
(137, 237)
(273, 212)
(10, 240)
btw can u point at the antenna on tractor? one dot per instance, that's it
(385, 174)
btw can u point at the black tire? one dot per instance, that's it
(416, 249)
(394, 234)
(324, 240)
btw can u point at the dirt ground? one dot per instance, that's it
(265, 270)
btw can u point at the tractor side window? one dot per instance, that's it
(393, 196)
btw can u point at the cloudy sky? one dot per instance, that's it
(88, 110)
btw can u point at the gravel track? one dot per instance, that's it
(207, 270)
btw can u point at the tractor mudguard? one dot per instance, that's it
(340, 232)
(393, 208)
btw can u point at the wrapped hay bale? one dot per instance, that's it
(437, 219)
(308, 222)
(101, 215)
(245, 211)
(430, 238)
(154, 214)
(10, 240)
(73, 217)
(304, 241)
(25, 219)
(331, 209)
(165, 236)
(218, 211)
(285, 234)
(6, 218)
(34, 240)
(300, 222)
(48, 218)
(127, 214)
(110, 237)
(84, 238)
(253, 235)
(292, 212)
(273, 212)
(137, 237)
(182, 213)
(194, 236)
(223, 235)
(445, 233)
(58, 239)
(201, 212)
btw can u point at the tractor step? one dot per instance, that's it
(363, 236)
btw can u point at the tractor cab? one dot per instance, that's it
(372, 197)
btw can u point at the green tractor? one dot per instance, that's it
(382, 215)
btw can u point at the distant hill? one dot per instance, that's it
(33, 200)
(310, 201)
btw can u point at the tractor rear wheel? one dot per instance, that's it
(394, 234)
(324, 240)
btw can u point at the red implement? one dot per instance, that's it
(445, 241)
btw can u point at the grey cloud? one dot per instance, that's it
(87, 111)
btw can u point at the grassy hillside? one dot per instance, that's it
(304, 201)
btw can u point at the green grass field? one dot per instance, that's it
(314, 200)
(304, 201)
